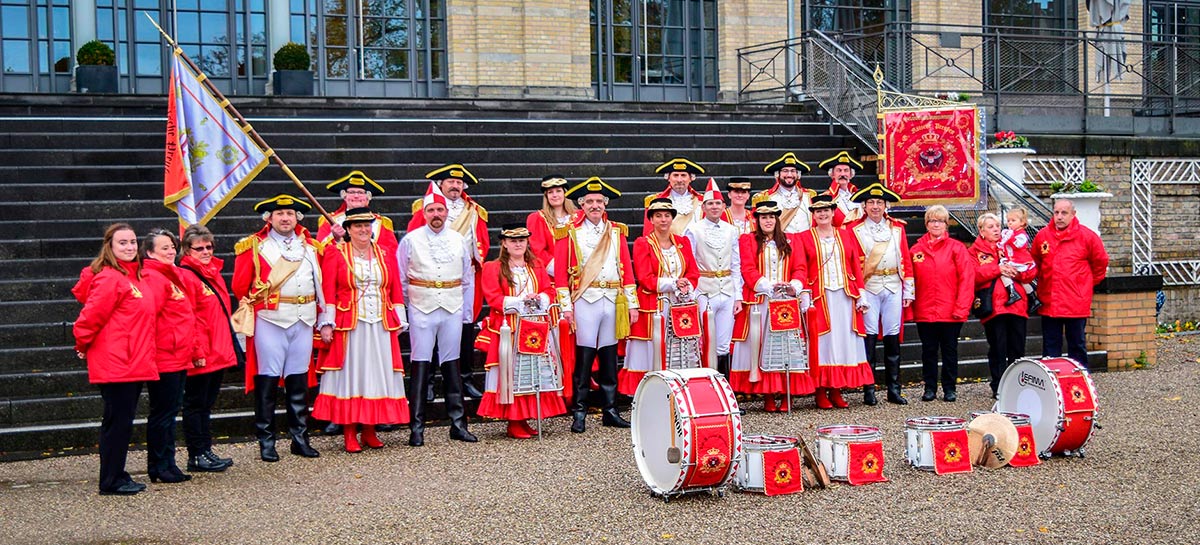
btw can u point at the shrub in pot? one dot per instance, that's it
(97, 70)
(293, 74)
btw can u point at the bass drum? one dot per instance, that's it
(1059, 397)
(687, 431)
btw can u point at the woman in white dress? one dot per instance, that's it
(363, 383)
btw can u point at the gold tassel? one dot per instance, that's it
(622, 316)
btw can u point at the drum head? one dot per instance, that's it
(1028, 387)
(653, 430)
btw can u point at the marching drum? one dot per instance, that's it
(919, 440)
(749, 476)
(1060, 399)
(833, 446)
(687, 431)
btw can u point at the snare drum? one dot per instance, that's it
(833, 446)
(919, 439)
(749, 475)
(1059, 397)
(687, 431)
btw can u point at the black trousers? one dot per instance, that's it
(166, 396)
(1052, 338)
(943, 337)
(116, 428)
(1006, 342)
(199, 396)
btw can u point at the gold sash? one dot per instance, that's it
(591, 269)
(464, 224)
(785, 217)
(873, 259)
(281, 271)
(681, 221)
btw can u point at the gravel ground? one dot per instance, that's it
(1135, 486)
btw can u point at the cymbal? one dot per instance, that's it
(992, 439)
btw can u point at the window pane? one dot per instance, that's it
(149, 60)
(16, 56)
(62, 57)
(622, 69)
(62, 23)
(335, 31)
(397, 64)
(336, 65)
(16, 22)
(213, 28)
(104, 28)
(186, 4)
(145, 32)
(297, 29)
(189, 28)
(214, 60)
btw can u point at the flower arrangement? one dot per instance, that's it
(1086, 186)
(952, 97)
(1009, 139)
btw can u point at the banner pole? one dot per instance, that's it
(228, 107)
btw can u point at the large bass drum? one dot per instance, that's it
(687, 431)
(1060, 399)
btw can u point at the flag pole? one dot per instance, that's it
(225, 104)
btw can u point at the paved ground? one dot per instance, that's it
(1137, 485)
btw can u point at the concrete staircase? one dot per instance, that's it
(70, 165)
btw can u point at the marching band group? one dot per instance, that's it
(787, 293)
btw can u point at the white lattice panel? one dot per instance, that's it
(1146, 174)
(1043, 170)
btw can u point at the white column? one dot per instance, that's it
(280, 29)
(83, 23)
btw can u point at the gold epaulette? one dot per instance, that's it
(318, 245)
(898, 221)
(386, 223)
(759, 197)
(416, 206)
(481, 211)
(624, 228)
(650, 197)
(245, 244)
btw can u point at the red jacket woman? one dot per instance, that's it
(986, 257)
(176, 342)
(213, 334)
(115, 329)
(944, 275)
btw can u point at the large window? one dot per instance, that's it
(844, 15)
(1036, 51)
(1172, 55)
(35, 45)
(374, 47)
(654, 50)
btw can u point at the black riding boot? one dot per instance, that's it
(418, 382)
(723, 365)
(582, 379)
(265, 388)
(869, 389)
(608, 388)
(471, 360)
(891, 364)
(295, 389)
(455, 411)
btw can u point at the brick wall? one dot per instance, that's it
(931, 63)
(1123, 324)
(742, 23)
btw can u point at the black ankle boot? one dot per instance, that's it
(265, 388)
(455, 410)
(295, 389)
(418, 383)
(465, 370)
(1014, 294)
(930, 394)
(608, 388)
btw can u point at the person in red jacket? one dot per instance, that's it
(664, 267)
(772, 268)
(833, 261)
(1071, 260)
(114, 333)
(356, 190)
(515, 285)
(177, 350)
(206, 289)
(363, 382)
(550, 224)
(1005, 327)
(945, 282)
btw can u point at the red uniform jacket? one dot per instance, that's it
(338, 284)
(115, 328)
(818, 317)
(753, 265)
(175, 337)
(483, 244)
(839, 217)
(80, 291)
(566, 258)
(647, 268)
(495, 289)
(986, 257)
(387, 234)
(212, 323)
(945, 279)
(543, 236)
(1070, 263)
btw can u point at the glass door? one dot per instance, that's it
(35, 46)
(654, 50)
(375, 47)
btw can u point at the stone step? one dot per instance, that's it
(27, 312)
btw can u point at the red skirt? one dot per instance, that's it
(523, 406)
(772, 382)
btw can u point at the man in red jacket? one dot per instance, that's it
(1071, 260)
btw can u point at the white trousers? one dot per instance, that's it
(282, 351)
(722, 327)
(886, 307)
(440, 327)
(595, 323)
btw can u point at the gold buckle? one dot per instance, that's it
(604, 284)
(300, 300)
(437, 284)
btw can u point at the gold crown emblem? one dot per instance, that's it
(594, 186)
(680, 166)
(357, 181)
(456, 173)
(284, 201)
(877, 192)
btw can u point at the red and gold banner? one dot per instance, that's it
(785, 314)
(534, 337)
(685, 321)
(950, 452)
(1077, 393)
(1027, 454)
(781, 472)
(866, 463)
(932, 156)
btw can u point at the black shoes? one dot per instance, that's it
(930, 395)
(949, 396)
(461, 434)
(612, 419)
(300, 447)
(1013, 294)
(208, 463)
(579, 424)
(894, 395)
(266, 451)
(416, 438)
(869, 398)
(128, 489)
(173, 475)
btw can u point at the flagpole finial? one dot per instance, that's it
(160, 29)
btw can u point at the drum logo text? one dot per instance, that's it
(1026, 379)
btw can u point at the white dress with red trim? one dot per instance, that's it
(367, 389)
(670, 265)
(841, 356)
(504, 300)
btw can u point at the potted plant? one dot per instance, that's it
(1086, 197)
(97, 68)
(1008, 154)
(293, 71)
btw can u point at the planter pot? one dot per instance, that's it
(1010, 161)
(293, 82)
(1087, 207)
(96, 79)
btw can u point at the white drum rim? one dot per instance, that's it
(849, 433)
(935, 423)
(769, 442)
